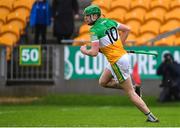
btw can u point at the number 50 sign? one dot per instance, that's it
(30, 55)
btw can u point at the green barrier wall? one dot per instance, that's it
(79, 66)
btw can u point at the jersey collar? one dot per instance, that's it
(97, 21)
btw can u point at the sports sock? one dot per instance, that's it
(151, 117)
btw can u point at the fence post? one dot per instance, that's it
(58, 64)
(3, 66)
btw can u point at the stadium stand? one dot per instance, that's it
(118, 10)
(139, 6)
(147, 19)
(163, 4)
(9, 34)
(153, 15)
(125, 4)
(84, 29)
(104, 5)
(134, 22)
(147, 27)
(173, 14)
(177, 41)
(17, 19)
(2, 19)
(174, 3)
(131, 40)
(6, 6)
(116, 14)
(169, 25)
(23, 7)
(168, 41)
(81, 40)
(143, 39)
(14, 15)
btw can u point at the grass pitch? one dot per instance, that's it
(87, 111)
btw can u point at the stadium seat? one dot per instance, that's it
(103, 4)
(131, 40)
(168, 41)
(143, 39)
(23, 11)
(177, 41)
(7, 41)
(23, 7)
(6, 6)
(157, 14)
(7, 3)
(120, 4)
(144, 4)
(10, 31)
(4, 10)
(174, 4)
(117, 14)
(164, 4)
(2, 19)
(131, 37)
(173, 14)
(134, 25)
(137, 10)
(104, 12)
(17, 19)
(151, 26)
(170, 25)
(84, 29)
(23, 4)
(136, 14)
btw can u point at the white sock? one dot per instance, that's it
(151, 116)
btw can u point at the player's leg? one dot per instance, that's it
(109, 80)
(106, 80)
(136, 87)
(127, 87)
(121, 70)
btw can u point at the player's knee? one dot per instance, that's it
(132, 95)
(102, 83)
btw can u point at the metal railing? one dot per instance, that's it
(3, 64)
(42, 73)
(164, 35)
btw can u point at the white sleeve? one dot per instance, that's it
(118, 25)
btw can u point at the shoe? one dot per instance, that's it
(153, 121)
(138, 90)
(151, 118)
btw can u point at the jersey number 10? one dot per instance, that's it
(112, 34)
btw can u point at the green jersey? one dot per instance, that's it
(105, 32)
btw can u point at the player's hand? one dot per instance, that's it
(83, 49)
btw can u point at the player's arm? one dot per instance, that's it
(125, 31)
(93, 51)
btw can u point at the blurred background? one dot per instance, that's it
(40, 39)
